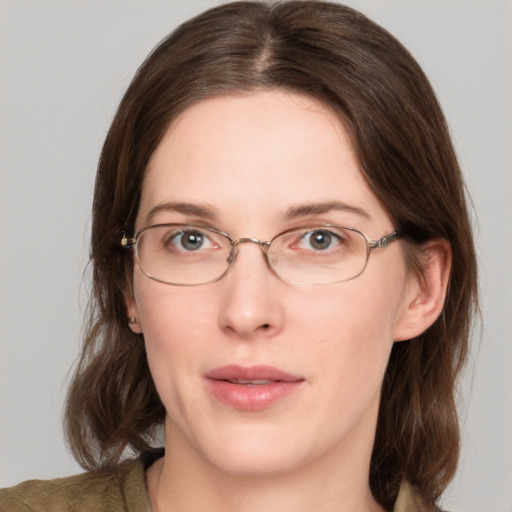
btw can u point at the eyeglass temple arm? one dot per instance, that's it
(383, 242)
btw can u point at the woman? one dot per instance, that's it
(284, 277)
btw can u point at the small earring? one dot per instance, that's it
(133, 320)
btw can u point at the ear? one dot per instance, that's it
(132, 313)
(424, 299)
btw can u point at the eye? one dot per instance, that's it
(189, 240)
(319, 240)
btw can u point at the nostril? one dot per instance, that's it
(265, 326)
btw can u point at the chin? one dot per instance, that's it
(258, 452)
(256, 463)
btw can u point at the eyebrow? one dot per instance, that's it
(305, 210)
(207, 212)
(202, 211)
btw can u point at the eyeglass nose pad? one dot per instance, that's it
(232, 255)
(270, 258)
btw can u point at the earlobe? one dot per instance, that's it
(426, 295)
(134, 325)
(132, 315)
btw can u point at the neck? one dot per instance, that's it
(184, 481)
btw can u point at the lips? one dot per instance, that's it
(251, 388)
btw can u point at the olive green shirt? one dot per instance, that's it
(121, 491)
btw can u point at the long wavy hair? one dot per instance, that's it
(401, 141)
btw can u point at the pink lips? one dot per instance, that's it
(251, 388)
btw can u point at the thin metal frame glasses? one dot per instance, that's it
(192, 255)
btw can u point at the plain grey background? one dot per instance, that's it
(63, 68)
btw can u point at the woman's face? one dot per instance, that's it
(310, 358)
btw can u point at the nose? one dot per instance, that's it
(251, 299)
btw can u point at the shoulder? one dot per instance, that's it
(122, 490)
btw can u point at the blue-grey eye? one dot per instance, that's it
(319, 240)
(190, 240)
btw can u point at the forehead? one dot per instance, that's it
(256, 152)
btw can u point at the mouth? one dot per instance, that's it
(245, 382)
(251, 388)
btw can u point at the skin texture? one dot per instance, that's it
(249, 159)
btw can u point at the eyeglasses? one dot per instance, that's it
(190, 255)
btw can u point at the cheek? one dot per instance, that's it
(173, 325)
(346, 314)
(347, 331)
(173, 328)
(166, 311)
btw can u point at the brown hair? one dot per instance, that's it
(401, 140)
